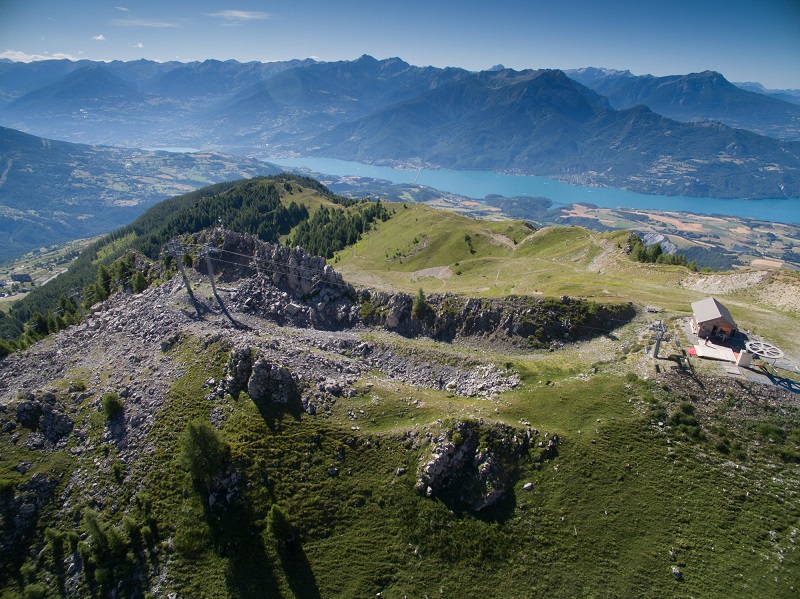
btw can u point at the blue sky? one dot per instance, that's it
(745, 40)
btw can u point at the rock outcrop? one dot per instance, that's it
(260, 376)
(472, 465)
(271, 382)
(526, 321)
(20, 509)
(238, 370)
(41, 413)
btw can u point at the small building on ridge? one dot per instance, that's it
(710, 318)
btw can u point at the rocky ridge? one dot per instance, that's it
(289, 287)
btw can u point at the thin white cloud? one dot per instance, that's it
(122, 8)
(237, 17)
(18, 56)
(135, 22)
(139, 45)
(99, 38)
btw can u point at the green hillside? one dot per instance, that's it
(160, 451)
(269, 207)
(421, 247)
(54, 191)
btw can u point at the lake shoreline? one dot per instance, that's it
(479, 184)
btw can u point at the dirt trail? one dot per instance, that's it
(498, 239)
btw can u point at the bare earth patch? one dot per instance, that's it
(780, 291)
(497, 239)
(766, 263)
(606, 260)
(724, 283)
(784, 294)
(438, 272)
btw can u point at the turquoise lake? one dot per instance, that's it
(479, 184)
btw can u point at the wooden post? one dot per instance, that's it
(173, 251)
(76, 297)
(210, 266)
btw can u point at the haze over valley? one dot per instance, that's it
(533, 122)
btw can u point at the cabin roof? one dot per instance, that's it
(710, 309)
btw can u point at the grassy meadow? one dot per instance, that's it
(660, 487)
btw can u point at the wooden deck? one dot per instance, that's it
(715, 352)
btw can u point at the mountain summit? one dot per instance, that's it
(697, 97)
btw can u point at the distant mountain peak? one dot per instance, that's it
(497, 67)
(751, 86)
(698, 97)
(601, 71)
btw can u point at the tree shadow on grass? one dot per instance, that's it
(250, 573)
(298, 572)
(237, 536)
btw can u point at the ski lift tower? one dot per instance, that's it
(661, 329)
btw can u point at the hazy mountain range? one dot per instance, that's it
(528, 122)
(54, 191)
(703, 97)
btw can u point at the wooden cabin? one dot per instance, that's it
(710, 318)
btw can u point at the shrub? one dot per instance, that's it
(770, 431)
(56, 540)
(147, 534)
(138, 282)
(112, 406)
(5, 348)
(367, 310)
(203, 452)
(6, 487)
(96, 532)
(116, 543)
(87, 557)
(420, 307)
(131, 529)
(35, 591)
(118, 471)
(28, 570)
